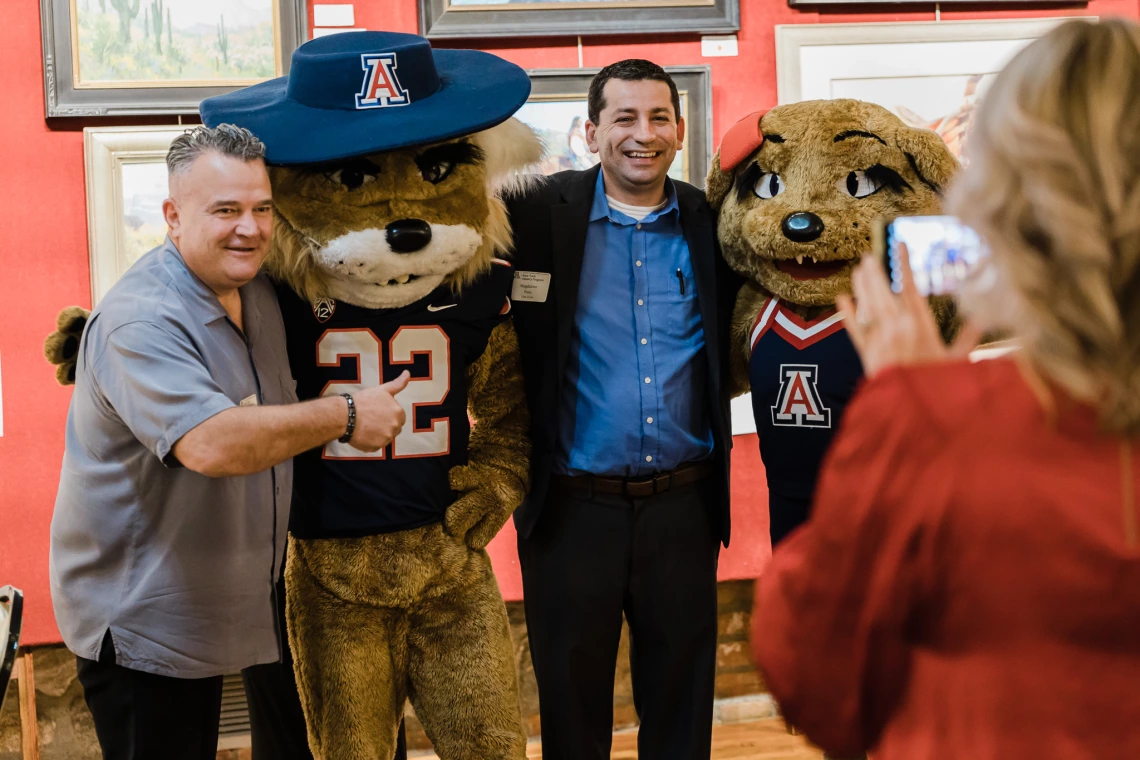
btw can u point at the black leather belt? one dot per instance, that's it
(637, 488)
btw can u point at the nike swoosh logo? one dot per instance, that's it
(441, 308)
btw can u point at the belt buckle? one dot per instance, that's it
(662, 482)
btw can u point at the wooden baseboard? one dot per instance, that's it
(25, 676)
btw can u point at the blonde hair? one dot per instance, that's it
(1053, 186)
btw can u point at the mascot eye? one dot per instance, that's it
(437, 172)
(860, 184)
(352, 177)
(769, 185)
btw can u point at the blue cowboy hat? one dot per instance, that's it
(355, 93)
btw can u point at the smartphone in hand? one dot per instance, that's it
(944, 252)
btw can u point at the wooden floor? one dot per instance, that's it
(761, 740)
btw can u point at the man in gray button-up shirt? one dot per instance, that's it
(169, 526)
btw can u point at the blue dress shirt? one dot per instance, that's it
(635, 401)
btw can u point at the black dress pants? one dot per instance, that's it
(141, 716)
(592, 557)
(276, 720)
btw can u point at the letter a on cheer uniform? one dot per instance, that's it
(802, 375)
(799, 404)
(381, 88)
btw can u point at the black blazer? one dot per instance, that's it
(549, 222)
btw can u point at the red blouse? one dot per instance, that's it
(969, 583)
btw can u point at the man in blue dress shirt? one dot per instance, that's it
(621, 304)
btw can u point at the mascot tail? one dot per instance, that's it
(61, 348)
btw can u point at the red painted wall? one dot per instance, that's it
(43, 252)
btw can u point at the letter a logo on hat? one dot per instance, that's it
(381, 88)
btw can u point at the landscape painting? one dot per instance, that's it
(160, 43)
(145, 187)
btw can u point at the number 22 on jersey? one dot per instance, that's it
(362, 345)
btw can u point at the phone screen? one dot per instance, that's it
(943, 252)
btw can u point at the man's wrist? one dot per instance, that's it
(350, 428)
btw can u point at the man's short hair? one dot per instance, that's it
(224, 138)
(629, 70)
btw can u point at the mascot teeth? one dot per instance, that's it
(800, 259)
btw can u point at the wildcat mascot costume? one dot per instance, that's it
(387, 161)
(798, 190)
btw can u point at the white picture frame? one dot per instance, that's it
(931, 73)
(125, 177)
(878, 49)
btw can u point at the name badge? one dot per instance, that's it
(531, 286)
(249, 400)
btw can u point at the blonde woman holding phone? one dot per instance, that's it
(969, 583)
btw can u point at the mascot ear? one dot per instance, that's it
(931, 160)
(717, 184)
(740, 142)
(509, 148)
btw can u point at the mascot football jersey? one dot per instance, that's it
(334, 348)
(802, 375)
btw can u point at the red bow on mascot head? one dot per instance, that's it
(741, 141)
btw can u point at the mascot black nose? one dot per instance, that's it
(802, 227)
(408, 235)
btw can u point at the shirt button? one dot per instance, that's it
(647, 381)
(644, 341)
(640, 302)
(639, 226)
(649, 459)
(649, 420)
(637, 262)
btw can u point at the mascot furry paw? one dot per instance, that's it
(62, 347)
(798, 190)
(387, 161)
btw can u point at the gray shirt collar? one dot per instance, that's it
(194, 291)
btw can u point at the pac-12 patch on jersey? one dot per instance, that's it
(341, 491)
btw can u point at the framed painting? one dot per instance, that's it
(800, 3)
(557, 111)
(131, 57)
(126, 185)
(529, 18)
(932, 74)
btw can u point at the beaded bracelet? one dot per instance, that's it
(351, 419)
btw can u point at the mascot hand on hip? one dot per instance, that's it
(387, 161)
(798, 190)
